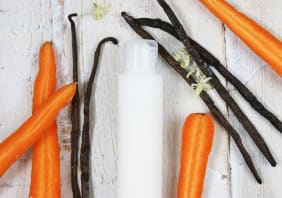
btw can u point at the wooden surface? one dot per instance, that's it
(24, 25)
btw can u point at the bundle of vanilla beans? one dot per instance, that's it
(85, 148)
(207, 63)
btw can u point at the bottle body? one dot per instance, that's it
(140, 121)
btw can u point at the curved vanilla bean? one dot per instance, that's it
(158, 23)
(204, 67)
(75, 111)
(204, 96)
(85, 142)
(214, 62)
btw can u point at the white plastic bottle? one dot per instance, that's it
(140, 122)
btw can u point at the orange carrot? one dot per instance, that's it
(32, 129)
(197, 137)
(262, 42)
(45, 82)
(45, 174)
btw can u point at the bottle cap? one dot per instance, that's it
(140, 56)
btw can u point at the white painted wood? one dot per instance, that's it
(266, 85)
(179, 98)
(24, 25)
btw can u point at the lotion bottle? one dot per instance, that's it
(140, 122)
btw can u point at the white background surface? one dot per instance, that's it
(25, 25)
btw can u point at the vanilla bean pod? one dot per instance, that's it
(246, 123)
(214, 62)
(85, 142)
(204, 96)
(75, 112)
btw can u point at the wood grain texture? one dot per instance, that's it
(24, 25)
(266, 86)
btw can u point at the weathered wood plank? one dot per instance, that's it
(265, 84)
(25, 25)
